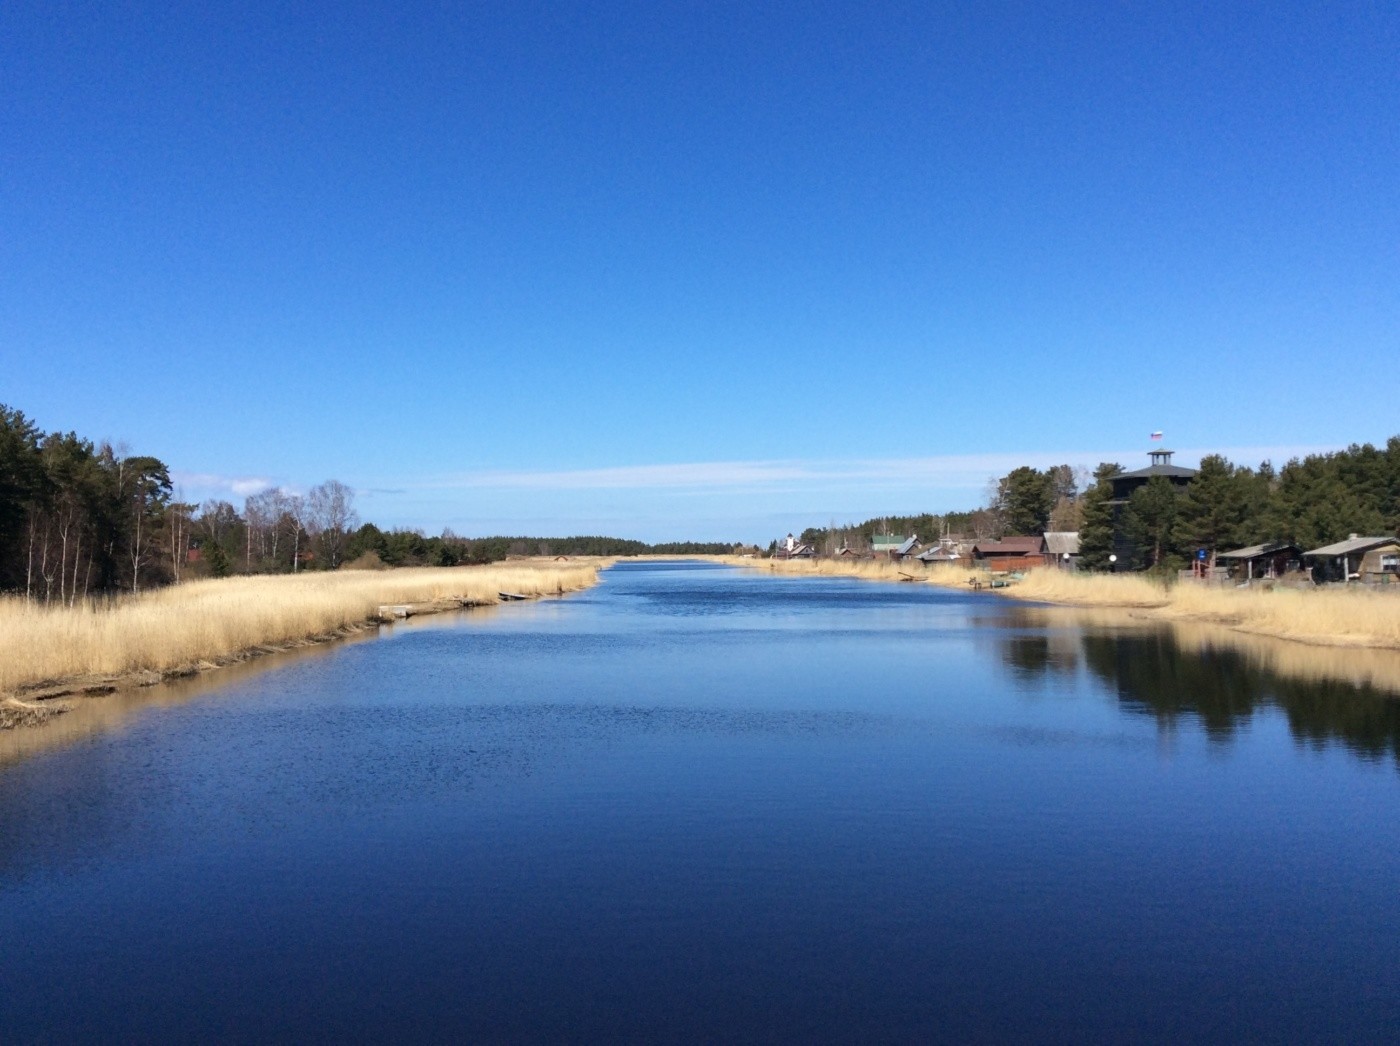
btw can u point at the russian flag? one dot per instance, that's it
(1156, 435)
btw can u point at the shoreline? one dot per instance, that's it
(1340, 619)
(31, 702)
(18, 708)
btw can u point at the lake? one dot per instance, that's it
(696, 803)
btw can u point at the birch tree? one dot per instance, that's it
(331, 508)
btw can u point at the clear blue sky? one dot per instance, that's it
(695, 270)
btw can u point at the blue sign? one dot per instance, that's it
(1200, 553)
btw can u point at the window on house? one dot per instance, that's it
(1390, 562)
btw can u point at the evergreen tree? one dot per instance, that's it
(1391, 509)
(1150, 519)
(1213, 513)
(1267, 520)
(1096, 530)
(216, 559)
(1025, 497)
(21, 476)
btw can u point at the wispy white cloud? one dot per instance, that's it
(951, 470)
(211, 484)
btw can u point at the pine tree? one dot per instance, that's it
(1150, 519)
(1213, 512)
(1096, 531)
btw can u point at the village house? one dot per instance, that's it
(1015, 553)
(1062, 548)
(791, 548)
(886, 544)
(943, 552)
(1270, 560)
(798, 551)
(906, 548)
(1369, 559)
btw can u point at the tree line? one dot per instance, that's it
(1025, 501)
(79, 518)
(1309, 502)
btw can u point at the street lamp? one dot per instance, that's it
(1113, 563)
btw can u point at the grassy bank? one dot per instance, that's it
(187, 627)
(1350, 617)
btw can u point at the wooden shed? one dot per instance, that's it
(1016, 553)
(1062, 548)
(1272, 559)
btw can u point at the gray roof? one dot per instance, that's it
(940, 552)
(1058, 542)
(1252, 551)
(1169, 471)
(908, 546)
(1350, 545)
(1012, 546)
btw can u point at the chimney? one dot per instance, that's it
(1352, 537)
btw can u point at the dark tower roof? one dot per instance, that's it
(1161, 466)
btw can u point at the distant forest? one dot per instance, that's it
(79, 518)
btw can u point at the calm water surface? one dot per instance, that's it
(695, 804)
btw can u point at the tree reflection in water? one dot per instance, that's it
(1216, 678)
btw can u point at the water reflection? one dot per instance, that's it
(1219, 678)
(697, 805)
(1042, 651)
(87, 716)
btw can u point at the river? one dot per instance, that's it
(696, 803)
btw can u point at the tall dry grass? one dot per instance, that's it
(1351, 616)
(1051, 586)
(1330, 616)
(206, 621)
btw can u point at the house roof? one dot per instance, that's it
(1058, 542)
(939, 553)
(1010, 547)
(1355, 544)
(1268, 548)
(908, 546)
(886, 542)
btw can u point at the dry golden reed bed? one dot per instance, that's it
(1351, 617)
(204, 622)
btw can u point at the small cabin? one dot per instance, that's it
(1270, 560)
(906, 548)
(798, 551)
(1062, 548)
(1381, 565)
(1374, 559)
(943, 552)
(1015, 553)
